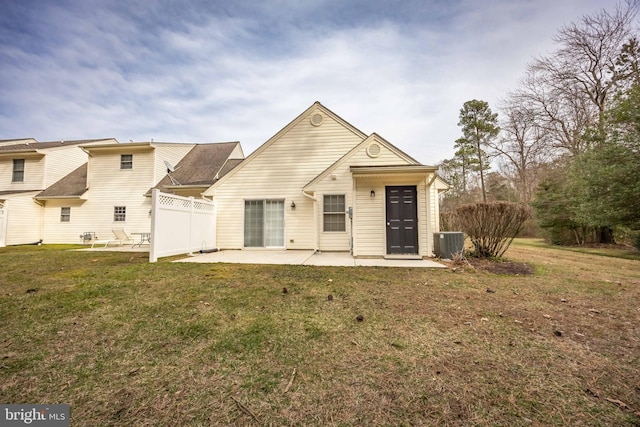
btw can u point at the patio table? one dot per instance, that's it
(144, 238)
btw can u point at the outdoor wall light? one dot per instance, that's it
(373, 193)
(293, 205)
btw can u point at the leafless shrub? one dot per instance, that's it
(491, 227)
(458, 258)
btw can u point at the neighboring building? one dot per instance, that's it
(322, 184)
(201, 168)
(26, 168)
(112, 190)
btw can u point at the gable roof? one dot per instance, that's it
(34, 147)
(203, 165)
(17, 141)
(373, 137)
(284, 130)
(70, 186)
(442, 185)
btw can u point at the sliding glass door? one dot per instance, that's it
(264, 223)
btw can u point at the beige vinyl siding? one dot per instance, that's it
(299, 223)
(6, 173)
(237, 153)
(280, 171)
(424, 221)
(341, 185)
(109, 186)
(33, 173)
(66, 232)
(90, 216)
(370, 216)
(339, 181)
(59, 162)
(434, 216)
(43, 168)
(172, 153)
(24, 219)
(334, 240)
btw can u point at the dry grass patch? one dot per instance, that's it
(131, 343)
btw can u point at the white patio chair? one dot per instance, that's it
(121, 238)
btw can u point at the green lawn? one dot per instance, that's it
(125, 342)
(615, 252)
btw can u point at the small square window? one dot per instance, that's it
(126, 161)
(65, 214)
(18, 170)
(120, 213)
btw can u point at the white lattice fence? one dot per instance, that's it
(180, 225)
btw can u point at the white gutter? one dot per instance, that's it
(315, 220)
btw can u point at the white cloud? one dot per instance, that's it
(241, 71)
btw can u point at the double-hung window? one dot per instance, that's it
(119, 213)
(18, 170)
(65, 214)
(126, 161)
(333, 208)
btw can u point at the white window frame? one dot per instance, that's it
(18, 172)
(277, 228)
(65, 214)
(334, 214)
(119, 214)
(126, 161)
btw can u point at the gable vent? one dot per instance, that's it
(316, 119)
(373, 150)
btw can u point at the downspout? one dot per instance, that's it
(354, 199)
(315, 220)
(432, 227)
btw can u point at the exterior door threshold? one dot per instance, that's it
(403, 256)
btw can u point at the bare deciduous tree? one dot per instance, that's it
(572, 88)
(523, 146)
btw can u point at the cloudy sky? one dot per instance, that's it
(235, 70)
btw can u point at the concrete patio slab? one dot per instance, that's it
(252, 257)
(292, 257)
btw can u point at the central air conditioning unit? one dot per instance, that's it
(446, 244)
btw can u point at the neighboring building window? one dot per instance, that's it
(126, 161)
(120, 213)
(18, 170)
(65, 214)
(334, 213)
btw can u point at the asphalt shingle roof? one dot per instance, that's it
(203, 165)
(44, 145)
(72, 185)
